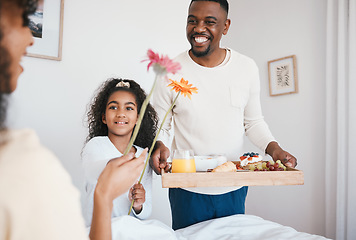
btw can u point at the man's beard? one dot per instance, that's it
(200, 54)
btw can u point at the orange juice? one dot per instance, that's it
(180, 165)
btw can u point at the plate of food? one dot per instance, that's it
(252, 172)
(208, 162)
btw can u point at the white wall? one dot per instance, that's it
(267, 30)
(110, 38)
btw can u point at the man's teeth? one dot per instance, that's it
(201, 39)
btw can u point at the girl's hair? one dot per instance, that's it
(98, 104)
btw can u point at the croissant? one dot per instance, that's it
(225, 167)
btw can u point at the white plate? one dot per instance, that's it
(203, 163)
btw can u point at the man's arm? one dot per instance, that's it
(257, 129)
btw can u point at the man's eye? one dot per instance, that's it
(191, 21)
(210, 22)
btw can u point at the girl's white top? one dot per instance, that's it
(96, 154)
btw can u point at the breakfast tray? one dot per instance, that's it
(291, 176)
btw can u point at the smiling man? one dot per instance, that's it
(205, 27)
(216, 119)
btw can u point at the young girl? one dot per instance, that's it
(112, 118)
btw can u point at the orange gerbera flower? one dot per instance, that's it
(184, 87)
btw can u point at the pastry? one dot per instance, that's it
(225, 167)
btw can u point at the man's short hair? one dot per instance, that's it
(223, 3)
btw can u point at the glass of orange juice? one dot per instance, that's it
(183, 161)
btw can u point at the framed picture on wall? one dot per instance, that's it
(46, 25)
(283, 76)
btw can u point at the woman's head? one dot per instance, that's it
(15, 37)
(118, 88)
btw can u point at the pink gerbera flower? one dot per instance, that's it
(161, 63)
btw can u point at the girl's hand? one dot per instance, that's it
(137, 193)
(118, 175)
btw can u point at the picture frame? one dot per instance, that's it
(47, 29)
(282, 74)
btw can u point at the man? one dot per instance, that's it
(215, 120)
(38, 200)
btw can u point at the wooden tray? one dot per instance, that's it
(225, 179)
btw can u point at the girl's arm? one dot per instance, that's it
(138, 194)
(147, 205)
(117, 177)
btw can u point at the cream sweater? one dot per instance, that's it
(214, 121)
(37, 197)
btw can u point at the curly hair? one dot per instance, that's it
(29, 7)
(97, 109)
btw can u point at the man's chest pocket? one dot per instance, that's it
(238, 96)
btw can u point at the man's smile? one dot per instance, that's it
(201, 39)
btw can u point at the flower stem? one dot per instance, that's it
(154, 142)
(140, 117)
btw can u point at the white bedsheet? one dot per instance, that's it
(246, 227)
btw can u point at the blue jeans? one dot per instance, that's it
(189, 208)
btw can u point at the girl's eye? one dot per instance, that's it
(113, 107)
(129, 108)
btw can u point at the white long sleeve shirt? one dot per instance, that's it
(215, 120)
(96, 154)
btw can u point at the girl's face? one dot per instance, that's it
(120, 114)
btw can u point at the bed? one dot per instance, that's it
(246, 227)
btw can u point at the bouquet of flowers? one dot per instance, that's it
(162, 65)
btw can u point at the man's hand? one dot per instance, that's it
(277, 153)
(159, 157)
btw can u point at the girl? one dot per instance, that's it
(112, 118)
